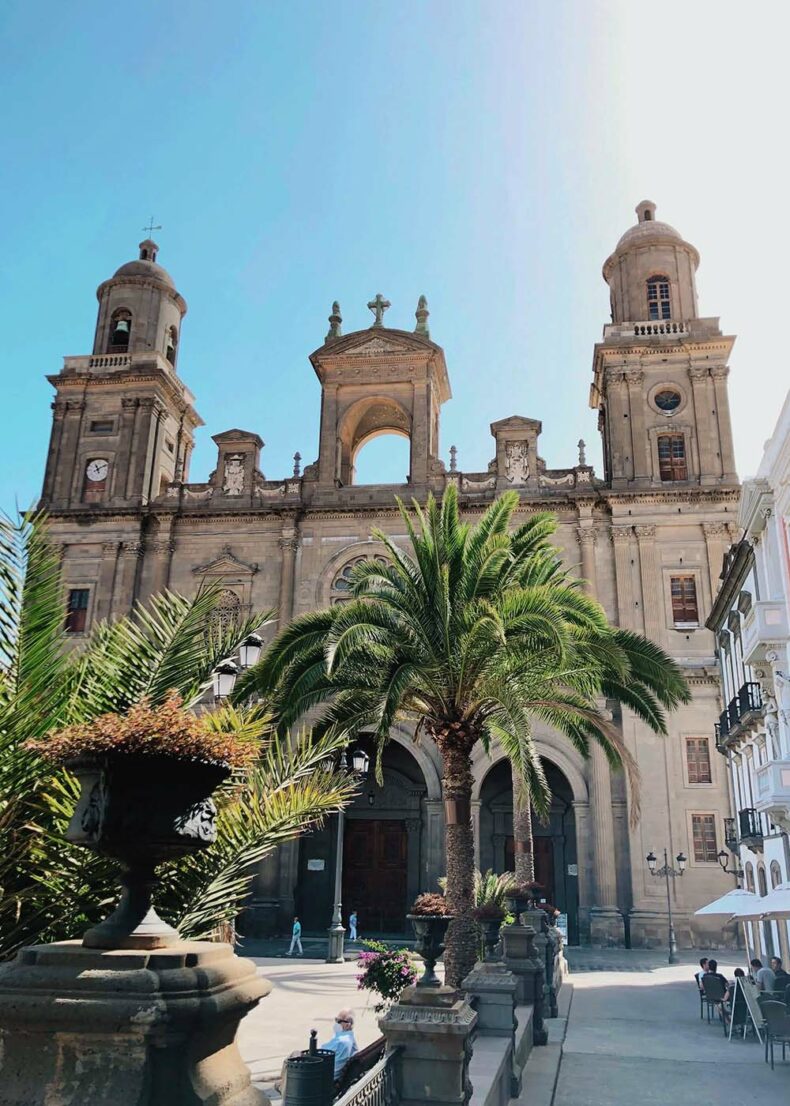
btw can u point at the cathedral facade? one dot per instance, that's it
(648, 535)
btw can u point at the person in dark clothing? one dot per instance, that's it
(781, 977)
(703, 967)
(713, 969)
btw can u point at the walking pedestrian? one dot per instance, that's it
(296, 938)
(352, 926)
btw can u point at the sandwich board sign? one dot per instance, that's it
(753, 1011)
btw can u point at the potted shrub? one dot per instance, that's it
(429, 917)
(385, 972)
(489, 916)
(519, 898)
(146, 782)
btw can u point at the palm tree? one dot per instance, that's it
(48, 887)
(473, 634)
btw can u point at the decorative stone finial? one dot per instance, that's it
(297, 463)
(646, 211)
(335, 321)
(422, 314)
(453, 459)
(582, 455)
(378, 306)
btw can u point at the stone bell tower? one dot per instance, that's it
(123, 421)
(377, 381)
(660, 373)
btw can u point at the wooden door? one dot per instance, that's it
(375, 858)
(544, 866)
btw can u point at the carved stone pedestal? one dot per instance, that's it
(433, 1028)
(494, 988)
(522, 959)
(88, 1027)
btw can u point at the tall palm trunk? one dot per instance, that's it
(522, 832)
(461, 947)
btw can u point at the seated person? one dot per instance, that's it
(342, 1043)
(730, 992)
(703, 967)
(764, 978)
(781, 977)
(713, 970)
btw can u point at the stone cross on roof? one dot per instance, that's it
(378, 306)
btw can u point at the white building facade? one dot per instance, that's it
(751, 621)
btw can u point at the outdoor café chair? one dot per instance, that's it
(714, 993)
(777, 1027)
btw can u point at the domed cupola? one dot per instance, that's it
(139, 308)
(651, 272)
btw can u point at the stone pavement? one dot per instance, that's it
(306, 994)
(634, 1035)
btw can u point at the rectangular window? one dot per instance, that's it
(102, 426)
(672, 457)
(698, 760)
(77, 611)
(685, 611)
(703, 832)
(658, 302)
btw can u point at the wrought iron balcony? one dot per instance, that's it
(718, 738)
(730, 835)
(751, 831)
(750, 701)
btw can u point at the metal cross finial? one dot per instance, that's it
(378, 306)
(582, 456)
(151, 227)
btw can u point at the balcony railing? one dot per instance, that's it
(751, 831)
(730, 835)
(750, 700)
(743, 708)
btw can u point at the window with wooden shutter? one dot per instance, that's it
(698, 760)
(77, 611)
(703, 832)
(685, 611)
(672, 457)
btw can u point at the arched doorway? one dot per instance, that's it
(556, 859)
(384, 852)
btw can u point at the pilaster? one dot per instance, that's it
(621, 540)
(636, 412)
(651, 582)
(719, 373)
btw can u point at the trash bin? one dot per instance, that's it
(310, 1076)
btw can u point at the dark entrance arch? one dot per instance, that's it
(556, 861)
(383, 853)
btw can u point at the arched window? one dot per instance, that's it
(171, 343)
(340, 591)
(120, 331)
(762, 884)
(776, 873)
(658, 305)
(749, 876)
(227, 610)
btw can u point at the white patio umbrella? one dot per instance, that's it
(776, 904)
(732, 904)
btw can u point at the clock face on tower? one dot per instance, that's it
(97, 470)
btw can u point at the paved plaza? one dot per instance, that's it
(632, 1034)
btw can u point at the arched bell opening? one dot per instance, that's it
(365, 421)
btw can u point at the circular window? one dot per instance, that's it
(667, 400)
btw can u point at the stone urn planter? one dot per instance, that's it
(141, 810)
(430, 931)
(490, 927)
(517, 903)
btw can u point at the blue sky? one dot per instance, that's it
(486, 154)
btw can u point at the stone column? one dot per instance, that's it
(717, 540)
(126, 578)
(606, 921)
(709, 465)
(581, 816)
(68, 478)
(652, 592)
(435, 861)
(636, 416)
(621, 540)
(619, 433)
(476, 805)
(108, 570)
(432, 1029)
(420, 433)
(586, 536)
(327, 448)
(54, 454)
(121, 483)
(720, 374)
(289, 543)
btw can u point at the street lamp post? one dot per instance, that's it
(358, 761)
(667, 872)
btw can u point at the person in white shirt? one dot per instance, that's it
(343, 1043)
(764, 978)
(352, 926)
